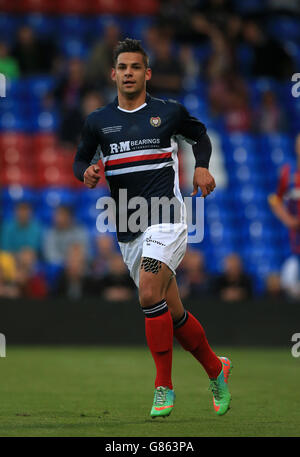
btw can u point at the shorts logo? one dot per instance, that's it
(155, 121)
(149, 240)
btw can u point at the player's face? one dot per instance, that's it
(131, 74)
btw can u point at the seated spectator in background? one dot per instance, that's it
(238, 116)
(167, 72)
(73, 119)
(30, 279)
(117, 284)
(74, 282)
(106, 248)
(8, 276)
(233, 284)
(290, 277)
(100, 62)
(273, 288)
(8, 65)
(223, 90)
(269, 117)
(193, 280)
(22, 231)
(33, 54)
(270, 58)
(222, 59)
(62, 235)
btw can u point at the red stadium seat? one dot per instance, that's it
(13, 156)
(19, 141)
(108, 6)
(16, 175)
(38, 6)
(142, 7)
(74, 6)
(53, 175)
(44, 140)
(7, 6)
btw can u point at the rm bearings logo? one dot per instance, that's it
(155, 121)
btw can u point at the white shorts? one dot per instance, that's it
(164, 242)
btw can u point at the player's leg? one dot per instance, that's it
(153, 281)
(191, 335)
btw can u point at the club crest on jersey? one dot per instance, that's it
(155, 121)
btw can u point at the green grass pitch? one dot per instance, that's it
(105, 391)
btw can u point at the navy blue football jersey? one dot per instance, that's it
(139, 151)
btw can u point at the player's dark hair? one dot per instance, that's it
(130, 45)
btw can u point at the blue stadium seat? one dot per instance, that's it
(74, 47)
(39, 86)
(55, 197)
(43, 25)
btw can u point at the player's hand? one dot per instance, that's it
(91, 176)
(293, 223)
(204, 180)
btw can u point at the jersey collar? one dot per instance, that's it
(147, 100)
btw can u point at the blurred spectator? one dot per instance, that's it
(193, 279)
(64, 233)
(285, 201)
(106, 248)
(100, 61)
(274, 289)
(73, 119)
(270, 118)
(238, 116)
(8, 65)
(22, 231)
(74, 282)
(270, 58)
(233, 284)
(228, 96)
(222, 57)
(167, 71)
(8, 275)
(30, 279)
(33, 54)
(117, 285)
(188, 62)
(217, 12)
(72, 86)
(290, 277)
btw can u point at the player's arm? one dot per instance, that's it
(195, 133)
(276, 201)
(83, 170)
(279, 209)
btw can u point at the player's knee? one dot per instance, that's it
(149, 295)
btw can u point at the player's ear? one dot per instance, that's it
(148, 74)
(113, 74)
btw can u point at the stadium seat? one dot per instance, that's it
(15, 175)
(43, 25)
(74, 7)
(109, 7)
(43, 140)
(39, 6)
(19, 141)
(144, 7)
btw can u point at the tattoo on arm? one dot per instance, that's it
(151, 265)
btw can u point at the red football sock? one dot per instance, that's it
(191, 335)
(159, 335)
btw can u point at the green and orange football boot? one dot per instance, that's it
(163, 402)
(219, 388)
